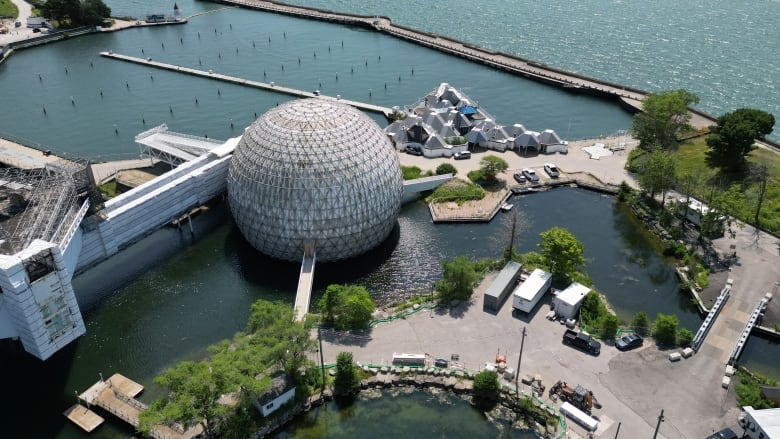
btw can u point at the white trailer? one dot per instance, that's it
(528, 293)
(579, 416)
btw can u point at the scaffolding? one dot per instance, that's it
(50, 200)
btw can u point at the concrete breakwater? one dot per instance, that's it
(628, 97)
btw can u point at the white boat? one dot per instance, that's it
(506, 207)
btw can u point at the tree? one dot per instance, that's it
(346, 377)
(609, 326)
(446, 168)
(491, 165)
(457, 282)
(684, 337)
(665, 329)
(732, 138)
(759, 173)
(592, 309)
(286, 342)
(94, 12)
(656, 173)
(486, 385)
(641, 323)
(347, 306)
(562, 251)
(664, 117)
(193, 393)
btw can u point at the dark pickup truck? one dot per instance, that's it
(582, 340)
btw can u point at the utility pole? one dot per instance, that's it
(658, 425)
(618, 430)
(519, 360)
(322, 362)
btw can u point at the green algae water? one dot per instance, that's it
(400, 413)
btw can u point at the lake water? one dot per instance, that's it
(169, 297)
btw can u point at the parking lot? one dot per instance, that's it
(632, 387)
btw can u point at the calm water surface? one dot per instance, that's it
(169, 297)
(398, 414)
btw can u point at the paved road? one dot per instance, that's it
(610, 169)
(18, 33)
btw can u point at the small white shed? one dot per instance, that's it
(567, 302)
(282, 390)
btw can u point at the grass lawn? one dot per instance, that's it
(8, 9)
(691, 160)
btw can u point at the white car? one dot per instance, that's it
(552, 170)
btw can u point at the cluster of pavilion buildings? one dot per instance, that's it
(446, 121)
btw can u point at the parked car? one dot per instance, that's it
(462, 155)
(441, 362)
(530, 174)
(726, 433)
(628, 342)
(413, 149)
(519, 177)
(552, 170)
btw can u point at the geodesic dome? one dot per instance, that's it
(314, 170)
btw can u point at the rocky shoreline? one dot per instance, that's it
(458, 382)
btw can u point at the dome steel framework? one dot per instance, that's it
(314, 171)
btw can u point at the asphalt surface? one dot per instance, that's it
(632, 387)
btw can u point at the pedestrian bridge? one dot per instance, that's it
(305, 282)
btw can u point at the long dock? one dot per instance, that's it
(270, 86)
(628, 97)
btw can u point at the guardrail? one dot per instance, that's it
(714, 311)
(748, 328)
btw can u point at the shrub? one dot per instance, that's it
(346, 378)
(625, 192)
(347, 306)
(641, 323)
(476, 175)
(456, 190)
(413, 172)
(446, 168)
(665, 329)
(609, 326)
(455, 140)
(684, 337)
(675, 249)
(486, 385)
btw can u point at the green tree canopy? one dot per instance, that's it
(194, 389)
(457, 282)
(490, 165)
(347, 306)
(73, 13)
(732, 138)
(346, 377)
(563, 252)
(664, 117)
(657, 172)
(665, 329)
(486, 385)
